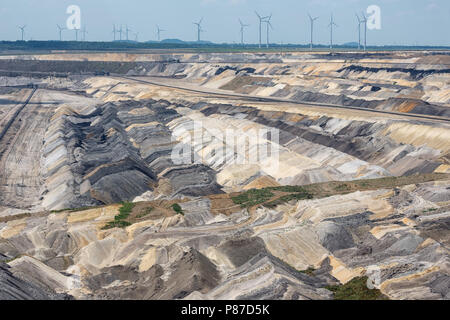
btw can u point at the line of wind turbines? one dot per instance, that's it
(120, 33)
(125, 32)
(361, 21)
(266, 20)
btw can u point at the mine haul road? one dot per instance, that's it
(156, 81)
(20, 151)
(16, 113)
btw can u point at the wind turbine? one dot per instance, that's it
(127, 30)
(76, 34)
(364, 20)
(114, 31)
(22, 28)
(243, 26)
(199, 28)
(261, 20)
(312, 28)
(120, 31)
(83, 32)
(269, 25)
(359, 31)
(136, 35)
(158, 32)
(331, 25)
(61, 29)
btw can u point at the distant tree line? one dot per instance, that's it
(130, 45)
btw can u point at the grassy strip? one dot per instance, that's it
(356, 289)
(252, 197)
(144, 213)
(291, 189)
(75, 209)
(119, 220)
(323, 190)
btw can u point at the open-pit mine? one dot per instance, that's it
(104, 194)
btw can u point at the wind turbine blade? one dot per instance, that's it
(258, 15)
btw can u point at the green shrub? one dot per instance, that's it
(356, 289)
(177, 208)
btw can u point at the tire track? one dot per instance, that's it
(18, 111)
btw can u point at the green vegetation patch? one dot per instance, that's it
(177, 208)
(356, 289)
(345, 187)
(119, 220)
(291, 189)
(116, 224)
(252, 197)
(309, 271)
(75, 209)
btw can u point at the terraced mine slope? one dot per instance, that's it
(98, 202)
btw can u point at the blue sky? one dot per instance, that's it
(407, 22)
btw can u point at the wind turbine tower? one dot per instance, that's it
(84, 32)
(61, 29)
(76, 34)
(364, 20)
(22, 29)
(158, 32)
(331, 25)
(359, 31)
(127, 30)
(243, 26)
(269, 26)
(261, 20)
(311, 19)
(120, 31)
(114, 31)
(199, 29)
